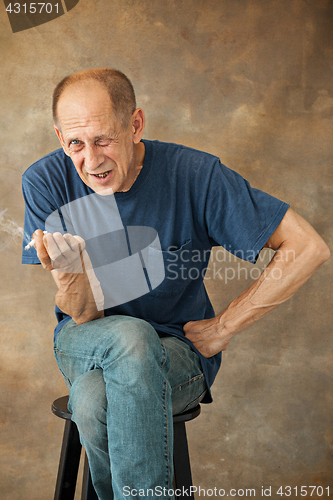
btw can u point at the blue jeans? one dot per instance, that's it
(125, 384)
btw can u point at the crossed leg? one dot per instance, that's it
(125, 384)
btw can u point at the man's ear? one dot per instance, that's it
(61, 139)
(138, 124)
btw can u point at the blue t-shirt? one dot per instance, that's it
(192, 201)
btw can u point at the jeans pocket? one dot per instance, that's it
(195, 402)
(189, 395)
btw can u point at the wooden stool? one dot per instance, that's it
(71, 452)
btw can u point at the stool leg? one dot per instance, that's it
(69, 463)
(181, 461)
(88, 491)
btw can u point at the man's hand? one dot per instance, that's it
(207, 336)
(59, 252)
(80, 294)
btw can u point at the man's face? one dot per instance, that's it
(106, 157)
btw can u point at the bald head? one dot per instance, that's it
(117, 85)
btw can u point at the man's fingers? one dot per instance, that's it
(59, 252)
(75, 242)
(41, 250)
(207, 336)
(53, 249)
(64, 251)
(59, 248)
(80, 241)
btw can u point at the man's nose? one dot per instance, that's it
(92, 158)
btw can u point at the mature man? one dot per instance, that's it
(135, 360)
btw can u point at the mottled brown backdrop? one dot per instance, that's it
(247, 80)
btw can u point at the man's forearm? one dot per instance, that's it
(75, 296)
(290, 267)
(299, 252)
(80, 294)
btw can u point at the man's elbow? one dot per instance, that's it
(320, 251)
(325, 252)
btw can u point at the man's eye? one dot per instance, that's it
(104, 142)
(75, 145)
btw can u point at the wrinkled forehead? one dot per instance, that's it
(85, 101)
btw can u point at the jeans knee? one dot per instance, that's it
(88, 404)
(140, 353)
(139, 338)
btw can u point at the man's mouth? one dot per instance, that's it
(102, 175)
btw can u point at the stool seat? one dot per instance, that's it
(71, 452)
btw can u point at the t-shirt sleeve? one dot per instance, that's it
(37, 208)
(239, 217)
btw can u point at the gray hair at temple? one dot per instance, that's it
(118, 86)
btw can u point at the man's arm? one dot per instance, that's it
(299, 252)
(65, 257)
